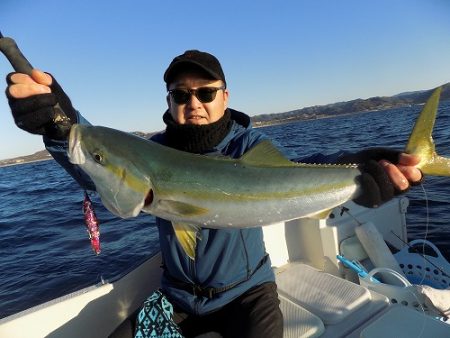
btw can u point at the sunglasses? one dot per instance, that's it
(203, 94)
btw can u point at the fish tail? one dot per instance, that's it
(421, 141)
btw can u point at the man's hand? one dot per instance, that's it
(32, 100)
(404, 173)
(384, 174)
(21, 86)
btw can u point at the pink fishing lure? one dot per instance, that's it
(91, 222)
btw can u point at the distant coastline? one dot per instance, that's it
(261, 124)
(42, 155)
(304, 114)
(349, 107)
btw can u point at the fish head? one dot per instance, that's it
(112, 161)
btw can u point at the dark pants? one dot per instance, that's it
(255, 314)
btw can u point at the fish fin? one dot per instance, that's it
(265, 153)
(421, 141)
(321, 214)
(181, 208)
(187, 235)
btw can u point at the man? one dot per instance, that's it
(229, 288)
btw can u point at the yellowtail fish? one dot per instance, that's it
(132, 174)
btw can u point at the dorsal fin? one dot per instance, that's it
(265, 154)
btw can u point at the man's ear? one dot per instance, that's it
(226, 95)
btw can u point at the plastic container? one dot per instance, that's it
(402, 292)
(432, 270)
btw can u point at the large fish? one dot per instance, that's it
(132, 174)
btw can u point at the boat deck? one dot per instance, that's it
(317, 304)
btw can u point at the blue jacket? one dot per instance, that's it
(228, 261)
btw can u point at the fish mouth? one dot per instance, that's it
(75, 152)
(149, 198)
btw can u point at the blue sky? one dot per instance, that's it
(110, 56)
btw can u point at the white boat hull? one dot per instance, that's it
(91, 312)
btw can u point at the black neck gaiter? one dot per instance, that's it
(196, 139)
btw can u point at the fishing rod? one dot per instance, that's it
(60, 126)
(61, 123)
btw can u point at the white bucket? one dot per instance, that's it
(403, 292)
(424, 269)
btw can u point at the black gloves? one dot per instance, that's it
(41, 114)
(375, 183)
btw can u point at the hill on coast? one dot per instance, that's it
(350, 107)
(308, 113)
(45, 155)
(37, 156)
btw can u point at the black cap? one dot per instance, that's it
(196, 58)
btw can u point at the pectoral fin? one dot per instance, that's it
(187, 235)
(322, 214)
(181, 208)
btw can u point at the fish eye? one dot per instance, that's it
(98, 158)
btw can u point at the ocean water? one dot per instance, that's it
(45, 251)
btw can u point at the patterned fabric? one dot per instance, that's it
(155, 319)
